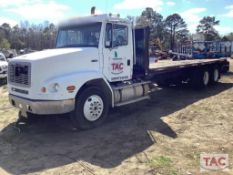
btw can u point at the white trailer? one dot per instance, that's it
(99, 62)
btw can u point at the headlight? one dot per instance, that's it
(54, 87)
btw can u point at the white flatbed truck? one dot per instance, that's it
(100, 61)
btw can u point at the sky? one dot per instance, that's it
(37, 11)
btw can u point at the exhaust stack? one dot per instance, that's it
(93, 10)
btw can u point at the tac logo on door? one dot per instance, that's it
(117, 67)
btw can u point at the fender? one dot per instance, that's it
(77, 79)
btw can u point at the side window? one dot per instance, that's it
(120, 35)
(108, 36)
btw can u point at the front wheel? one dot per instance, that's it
(91, 108)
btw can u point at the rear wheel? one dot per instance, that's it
(200, 79)
(91, 108)
(215, 76)
(206, 78)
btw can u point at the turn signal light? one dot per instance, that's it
(70, 89)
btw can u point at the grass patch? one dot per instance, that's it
(163, 165)
(161, 161)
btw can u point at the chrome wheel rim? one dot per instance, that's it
(93, 108)
(206, 78)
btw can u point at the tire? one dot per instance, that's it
(91, 108)
(200, 79)
(215, 75)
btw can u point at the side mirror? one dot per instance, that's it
(108, 44)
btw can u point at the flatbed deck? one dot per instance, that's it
(163, 65)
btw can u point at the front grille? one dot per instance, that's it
(20, 74)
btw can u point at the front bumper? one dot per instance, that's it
(42, 107)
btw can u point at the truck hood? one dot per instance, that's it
(48, 66)
(51, 53)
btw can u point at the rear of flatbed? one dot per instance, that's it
(165, 72)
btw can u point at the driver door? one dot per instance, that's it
(118, 52)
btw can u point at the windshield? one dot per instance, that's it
(79, 36)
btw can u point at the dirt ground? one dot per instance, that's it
(162, 136)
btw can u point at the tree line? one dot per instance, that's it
(169, 32)
(165, 33)
(25, 35)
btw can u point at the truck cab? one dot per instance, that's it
(109, 38)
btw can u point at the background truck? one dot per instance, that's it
(3, 68)
(204, 49)
(100, 61)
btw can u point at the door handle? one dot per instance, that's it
(94, 60)
(128, 62)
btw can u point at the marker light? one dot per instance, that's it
(43, 89)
